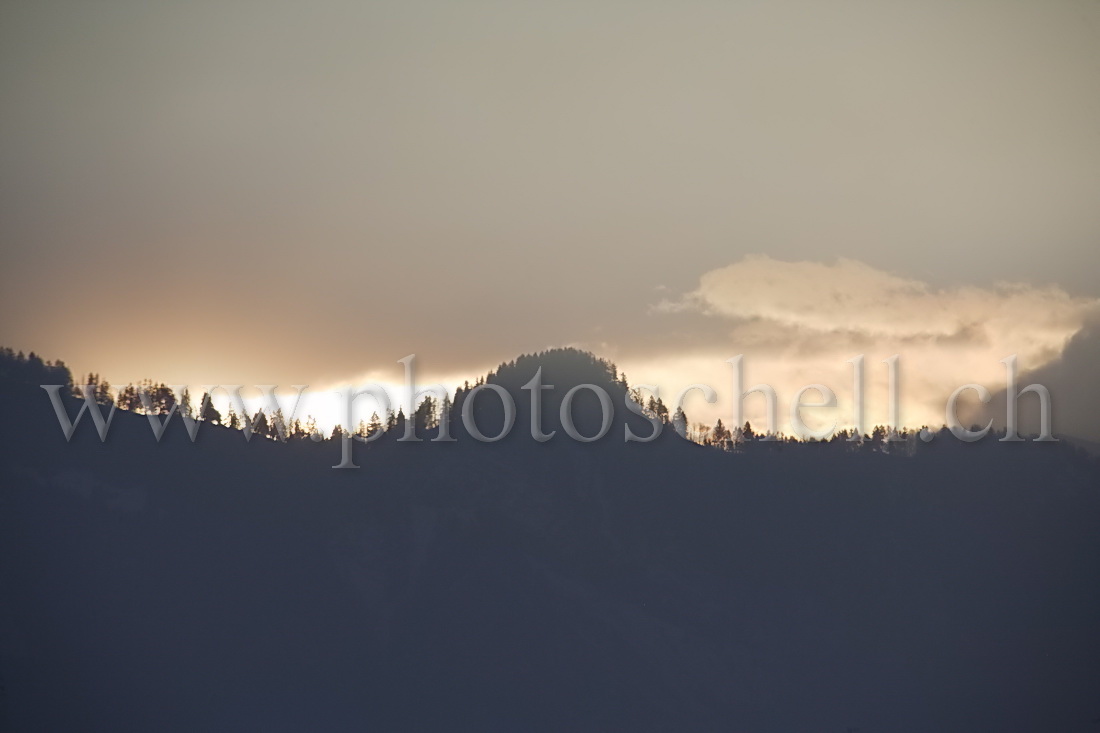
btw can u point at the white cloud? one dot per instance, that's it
(854, 297)
(799, 322)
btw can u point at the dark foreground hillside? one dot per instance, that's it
(233, 586)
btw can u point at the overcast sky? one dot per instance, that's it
(305, 193)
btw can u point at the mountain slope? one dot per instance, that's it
(225, 585)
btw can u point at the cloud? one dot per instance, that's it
(800, 322)
(850, 296)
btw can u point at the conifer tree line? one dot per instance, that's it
(157, 398)
(31, 369)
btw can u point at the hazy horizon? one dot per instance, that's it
(254, 193)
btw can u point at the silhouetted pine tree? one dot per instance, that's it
(721, 437)
(209, 412)
(260, 425)
(375, 425)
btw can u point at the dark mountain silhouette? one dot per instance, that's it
(1074, 391)
(226, 585)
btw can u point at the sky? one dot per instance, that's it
(265, 192)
